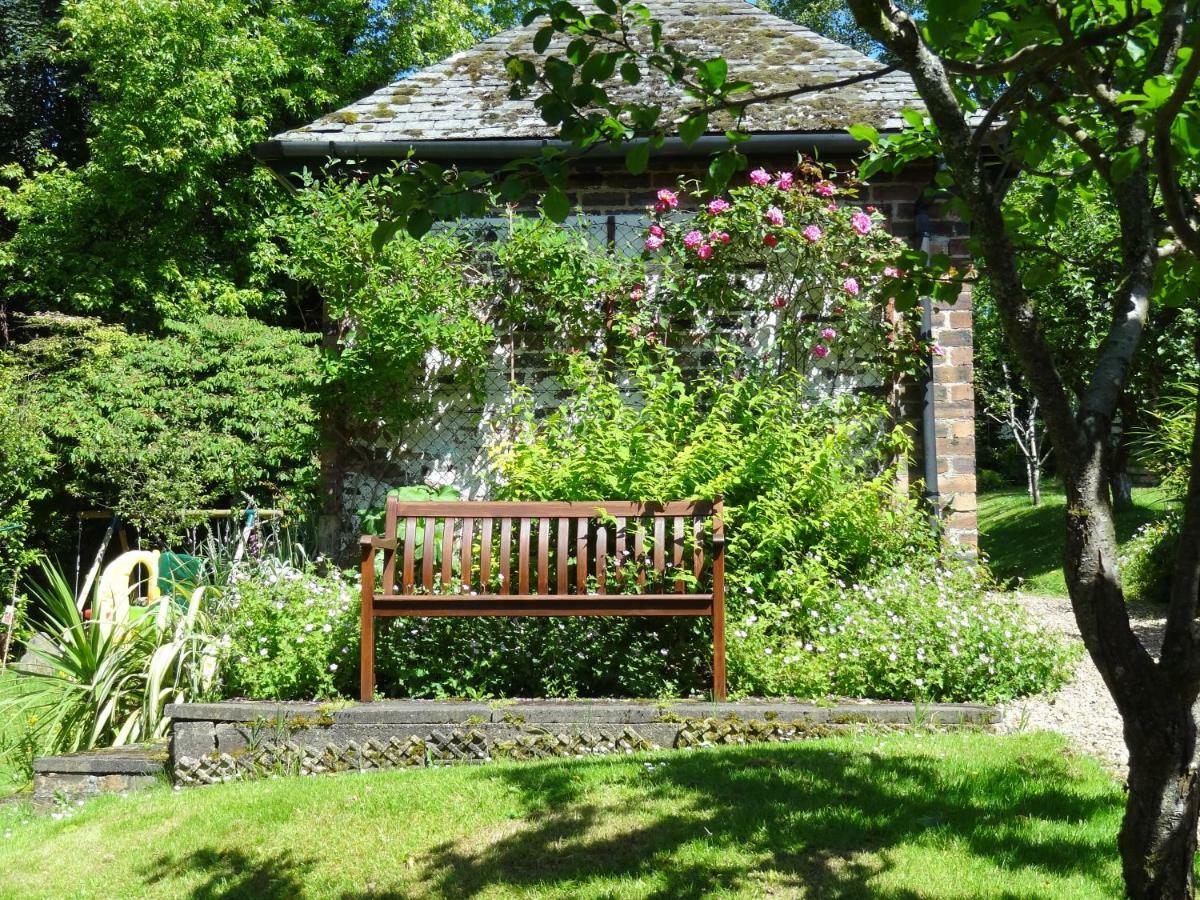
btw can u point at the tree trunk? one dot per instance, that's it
(1035, 482)
(1158, 835)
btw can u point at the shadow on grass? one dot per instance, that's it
(819, 821)
(233, 874)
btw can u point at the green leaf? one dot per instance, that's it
(865, 133)
(915, 119)
(637, 158)
(631, 73)
(607, 5)
(541, 40)
(691, 128)
(1125, 162)
(559, 74)
(420, 220)
(712, 73)
(384, 232)
(555, 204)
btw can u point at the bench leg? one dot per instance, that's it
(367, 656)
(719, 651)
(366, 641)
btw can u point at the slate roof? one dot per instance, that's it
(465, 97)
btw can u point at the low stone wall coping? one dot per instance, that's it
(139, 759)
(435, 712)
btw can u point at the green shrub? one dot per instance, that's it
(288, 632)
(834, 577)
(918, 631)
(149, 426)
(1147, 560)
(987, 480)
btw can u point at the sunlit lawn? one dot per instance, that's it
(903, 816)
(1025, 543)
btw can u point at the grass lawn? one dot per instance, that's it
(877, 815)
(1025, 543)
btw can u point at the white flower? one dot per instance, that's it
(299, 639)
(308, 627)
(333, 667)
(327, 628)
(262, 652)
(919, 682)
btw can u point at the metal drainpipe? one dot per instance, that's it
(933, 495)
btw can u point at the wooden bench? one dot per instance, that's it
(595, 558)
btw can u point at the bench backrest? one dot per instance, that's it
(554, 549)
(595, 558)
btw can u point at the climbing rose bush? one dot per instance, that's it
(790, 254)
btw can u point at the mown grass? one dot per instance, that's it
(875, 815)
(1025, 543)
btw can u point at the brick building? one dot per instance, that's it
(458, 112)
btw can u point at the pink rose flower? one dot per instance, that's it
(820, 351)
(775, 215)
(656, 230)
(693, 239)
(760, 177)
(718, 206)
(825, 189)
(668, 198)
(770, 240)
(704, 251)
(636, 294)
(937, 350)
(832, 207)
(828, 334)
(721, 237)
(784, 180)
(654, 242)
(861, 222)
(891, 272)
(812, 234)
(850, 286)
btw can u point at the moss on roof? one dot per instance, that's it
(466, 96)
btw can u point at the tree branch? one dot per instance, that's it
(1180, 209)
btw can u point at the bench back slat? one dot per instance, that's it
(485, 552)
(562, 554)
(427, 555)
(410, 540)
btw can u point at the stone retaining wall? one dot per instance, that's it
(218, 742)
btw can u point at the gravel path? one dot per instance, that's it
(1082, 710)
